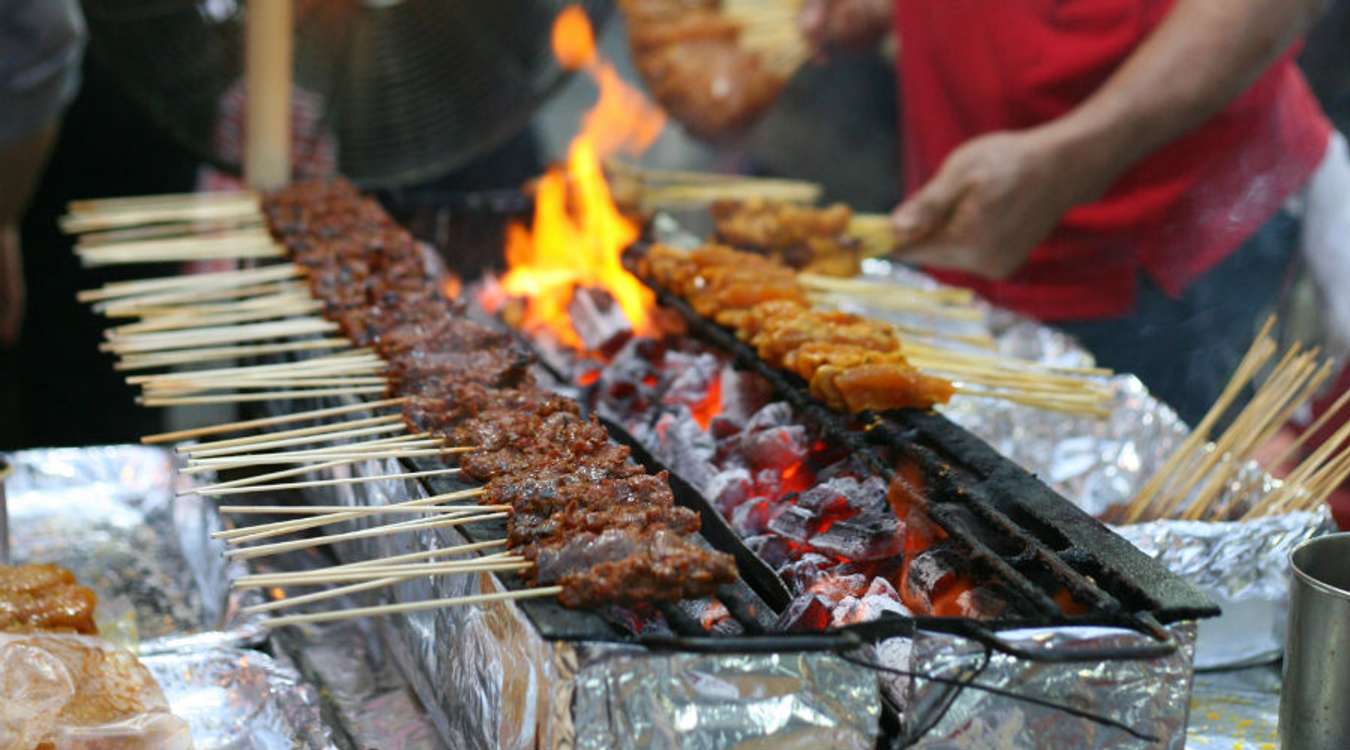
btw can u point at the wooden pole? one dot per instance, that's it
(268, 70)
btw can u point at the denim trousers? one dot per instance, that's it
(1184, 350)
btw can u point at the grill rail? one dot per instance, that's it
(1015, 528)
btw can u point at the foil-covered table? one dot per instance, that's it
(109, 514)
(1098, 463)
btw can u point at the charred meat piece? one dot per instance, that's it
(526, 528)
(609, 460)
(663, 567)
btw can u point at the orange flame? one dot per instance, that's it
(578, 234)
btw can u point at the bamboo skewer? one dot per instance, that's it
(420, 439)
(317, 431)
(397, 443)
(131, 203)
(287, 461)
(380, 425)
(301, 416)
(262, 531)
(1195, 477)
(201, 301)
(305, 510)
(390, 609)
(342, 363)
(280, 309)
(79, 223)
(188, 388)
(864, 286)
(276, 548)
(150, 342)
(216, 279)
(243, 490)
(231, 398)
(272, 529)
(292, 601)
(322, 578)
(203, 228)
(221, 353)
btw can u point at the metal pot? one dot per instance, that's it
(1313, 701)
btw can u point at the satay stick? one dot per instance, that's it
(291, 601)
(327, 364)
(458, 567)
(182, 282)
(390, 609)
(1260, 352)
(261, 531)
(378, 426)
(231, 398)
(221, 353)
(244, 490)
(300, 416)
(286, 461)
(276, 548)
(281, 309)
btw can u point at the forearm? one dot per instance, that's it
(1201, 57)
(21, 163)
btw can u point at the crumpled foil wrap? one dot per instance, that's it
(1102, 462)
(1244, 567)
(488, 679)
(240, 698)
(1150, 697)
(109, 514)
(374, 706)
(632, 698)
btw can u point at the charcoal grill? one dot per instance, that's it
(1014, 528)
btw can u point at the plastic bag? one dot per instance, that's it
(74, 692)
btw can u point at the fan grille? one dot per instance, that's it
(410, 90)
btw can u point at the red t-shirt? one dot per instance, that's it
(968, 67)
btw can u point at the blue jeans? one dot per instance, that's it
(1185, 349)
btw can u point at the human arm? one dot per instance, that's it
(844, 24)
(21, 163)
(39, 74)
(998, 196)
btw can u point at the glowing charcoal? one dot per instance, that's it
(805, 571)
(729, 488)
(806, 613)
(754, 516)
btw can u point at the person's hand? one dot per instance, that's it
(11, 286)
(844, 24)
(993, 201)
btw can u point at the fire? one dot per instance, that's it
(578, 234)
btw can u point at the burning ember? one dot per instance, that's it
(578, 234)
(850, 546)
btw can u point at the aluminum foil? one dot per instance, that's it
(489, 680)
(108, 514)
(1235, 709)
(631, 698)
(1245, 567)
(483, 672)
(1100, 463)
(1149, 697)
(239, 699)
(375, 707)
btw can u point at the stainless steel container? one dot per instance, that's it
(5, 471)
(1315, 697)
